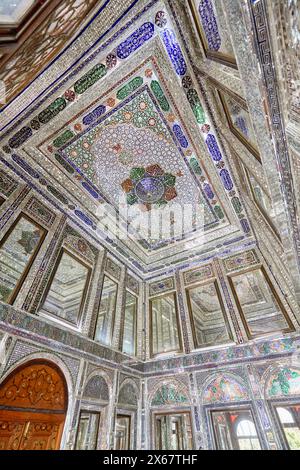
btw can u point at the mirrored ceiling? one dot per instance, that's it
(12, 11)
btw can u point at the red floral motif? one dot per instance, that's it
(187, 82)
(111, 61)
(78, 127)
(70, 95)
(205, 128)
(160, 19)
(81, 246)
(154, 170)
(111, 102)
(127, 185)
(170, 194)
(145, 207)
(117, 148)
(152, 122)
(171, 117)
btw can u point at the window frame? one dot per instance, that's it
(282, 403)
(25, 272)
(232, 409)
(115, 308)
(219, 57)
(253, 150)
(91, 412)
(250, 336)
(47, 313)
(130, 427)
(135, 324)
(157, 413)
(191, 315)
(165, 353)
(261, 209)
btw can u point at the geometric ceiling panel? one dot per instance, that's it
(131, 153)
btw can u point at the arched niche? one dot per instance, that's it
(224, 388)
(282, 382)
(97, 389)
(34, 402)
(171, 393)
(128, 395)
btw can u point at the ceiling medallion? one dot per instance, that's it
(148, 186)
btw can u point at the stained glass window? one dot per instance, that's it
(289, 417)
(164, 324)
(18, 250)
(106, 314)
(66, 294)
(235, 430)
(129, 329)
(207, 315)
(260, 307)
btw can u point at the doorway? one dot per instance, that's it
(33, 405)
(173, 431)
(122, 435)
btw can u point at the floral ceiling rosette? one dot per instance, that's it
(150, 186)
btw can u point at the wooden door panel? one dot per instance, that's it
(30, 431)
(33, 404)
(10, 434)
(40, 436)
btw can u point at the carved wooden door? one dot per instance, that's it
(25, 431)
(33, 405)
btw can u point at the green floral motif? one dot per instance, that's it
(57, 194)
(169, 180)
(51, 111)
(237, 205)
(219, 213)
(281, 384)
(63, 138)
(168, 395)
(159, 95)
(196, 106)
(137, 173)
(64, 164)
(195, 166)
(90, 78)
(131, 199)
(129, 88)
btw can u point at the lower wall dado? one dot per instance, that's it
(108, 403)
